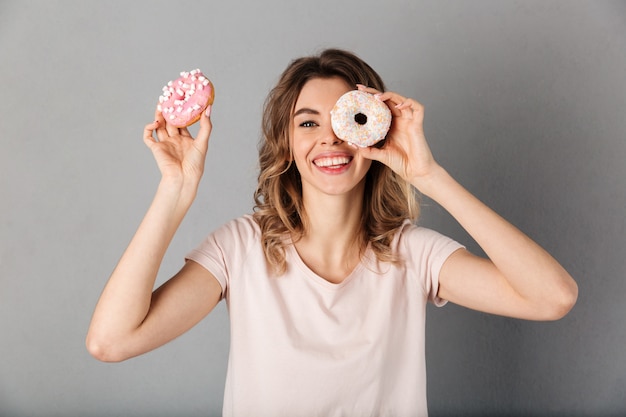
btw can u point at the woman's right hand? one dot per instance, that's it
(179, 156)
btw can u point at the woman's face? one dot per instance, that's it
(326, 164)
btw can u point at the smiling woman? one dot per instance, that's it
(279, 211)
(315, 147)
(327, 281)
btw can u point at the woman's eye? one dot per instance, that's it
(308, 123)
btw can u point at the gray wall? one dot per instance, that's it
(525, 105)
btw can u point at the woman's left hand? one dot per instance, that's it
(405, 150)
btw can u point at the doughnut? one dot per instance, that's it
(185, 98)
(360, 118)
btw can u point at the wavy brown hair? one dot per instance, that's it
(388, 200)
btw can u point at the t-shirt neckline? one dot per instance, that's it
(310, 274)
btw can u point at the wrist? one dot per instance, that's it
(178, 189)
(429, 183)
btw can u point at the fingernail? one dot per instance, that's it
(378, 96)
(208, 111)
(361, 87)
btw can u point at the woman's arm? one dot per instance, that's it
(129, 319)
(519, 278)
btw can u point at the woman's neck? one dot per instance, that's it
(332, 244)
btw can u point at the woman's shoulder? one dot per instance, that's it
(412, 236)
(236, 236)
(243, 228)
(410, 229)
(245, 221)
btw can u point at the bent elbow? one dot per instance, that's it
(569, 300)
(101, 350)
(563, 301)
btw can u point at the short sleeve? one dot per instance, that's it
(225, 248)
(426, 251)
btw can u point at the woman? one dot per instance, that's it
(327, 282)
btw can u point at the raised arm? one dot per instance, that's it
(519, 278)
(130, 318)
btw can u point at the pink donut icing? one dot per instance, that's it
(185, 98)
(360, 118)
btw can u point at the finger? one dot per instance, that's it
(165, 130)
(184, 131)
(161, 132)
(413, 107)
(393, 98)
(367, 89)
(402, 106)
(172, 130)
(148, 131)
(372, 153)
(202, 139)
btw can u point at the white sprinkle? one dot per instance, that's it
(180, 109)
(172, 117)
(159, 108)
(180, 92)
(196, 107)
(205, 82)
(169, 84)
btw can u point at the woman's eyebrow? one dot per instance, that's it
(305, 110)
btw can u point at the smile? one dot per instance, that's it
(332, 162)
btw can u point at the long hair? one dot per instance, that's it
(388, 199)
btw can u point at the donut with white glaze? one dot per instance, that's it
(185, 98)
(360, 118)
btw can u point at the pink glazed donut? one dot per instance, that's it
(184, 99)
(360, 118)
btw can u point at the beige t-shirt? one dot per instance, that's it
(302, 346)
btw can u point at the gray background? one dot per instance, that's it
(525, 105)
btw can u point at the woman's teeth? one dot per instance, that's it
(334, 161)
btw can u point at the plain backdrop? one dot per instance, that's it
(525, 105)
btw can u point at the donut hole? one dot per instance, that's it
(360, 118)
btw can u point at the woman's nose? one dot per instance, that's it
(329, 137)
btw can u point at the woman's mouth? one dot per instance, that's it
(332, 162)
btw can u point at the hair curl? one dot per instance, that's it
(388, 199)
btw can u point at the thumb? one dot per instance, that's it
(202, 139)
(373, 153)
